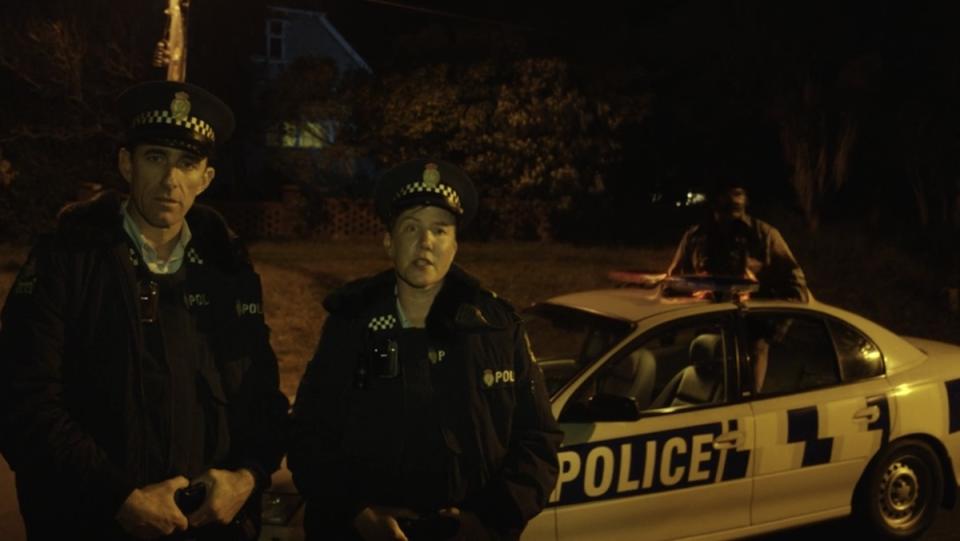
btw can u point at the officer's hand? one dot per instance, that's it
(150, 512)
(227, 491)
(380, 523)
(754, 266)
(471, 528)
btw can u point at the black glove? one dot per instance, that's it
(190, 498)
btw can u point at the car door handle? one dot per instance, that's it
(870, 414)
(727, 440)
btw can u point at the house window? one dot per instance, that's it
(302, 134)
(275, 47)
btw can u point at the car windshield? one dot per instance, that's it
(566, 340)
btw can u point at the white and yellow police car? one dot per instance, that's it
(689, 418)
(708, 419)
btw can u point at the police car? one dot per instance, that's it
(673, 432)
(698, 418)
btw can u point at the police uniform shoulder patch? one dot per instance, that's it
(497, 378)
(436, 356)
(248, 308)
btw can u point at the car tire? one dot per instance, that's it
(901, 491)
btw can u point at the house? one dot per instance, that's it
(285, 160)
(293, 33)
(290, 34)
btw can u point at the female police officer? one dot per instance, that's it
(422, 400)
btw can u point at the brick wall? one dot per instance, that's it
(341, 217)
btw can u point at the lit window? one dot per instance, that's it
(299, 135)
(311, 135)
(290, 137)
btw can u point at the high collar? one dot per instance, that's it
(98, 222)
(461, 304)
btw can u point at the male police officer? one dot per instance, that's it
(730, 242)
(129, 368)
(423, 399)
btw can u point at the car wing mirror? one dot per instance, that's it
(601, 407)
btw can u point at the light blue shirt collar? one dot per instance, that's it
(148, 254)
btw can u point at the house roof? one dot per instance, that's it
(294, 14)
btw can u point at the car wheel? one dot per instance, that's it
(902, 491)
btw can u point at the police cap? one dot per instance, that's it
(425, 183)
(175, 114)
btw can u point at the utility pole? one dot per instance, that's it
(171, 51)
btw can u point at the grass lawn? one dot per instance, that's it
(873, 280)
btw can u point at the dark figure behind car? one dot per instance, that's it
(732, 243)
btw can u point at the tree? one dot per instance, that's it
(524, 128)
(62, 66)
(310, 96)
(817, 141)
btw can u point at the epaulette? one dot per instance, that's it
(216, 239)
(483, 295)
(90, 221)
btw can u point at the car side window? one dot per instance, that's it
(859, 357)
(680, 365)
(567, 341)
(790, 352)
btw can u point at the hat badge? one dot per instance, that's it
(180, 106)
(431, 175)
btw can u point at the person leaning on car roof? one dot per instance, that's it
(422, 411)
(730, 242)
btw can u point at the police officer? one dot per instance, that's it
(732, 243)
(129, 369)
(422, 414)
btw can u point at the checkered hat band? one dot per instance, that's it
(164, 117)
(447, 192)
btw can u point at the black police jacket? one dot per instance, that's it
(72, 408)
(492, 407)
